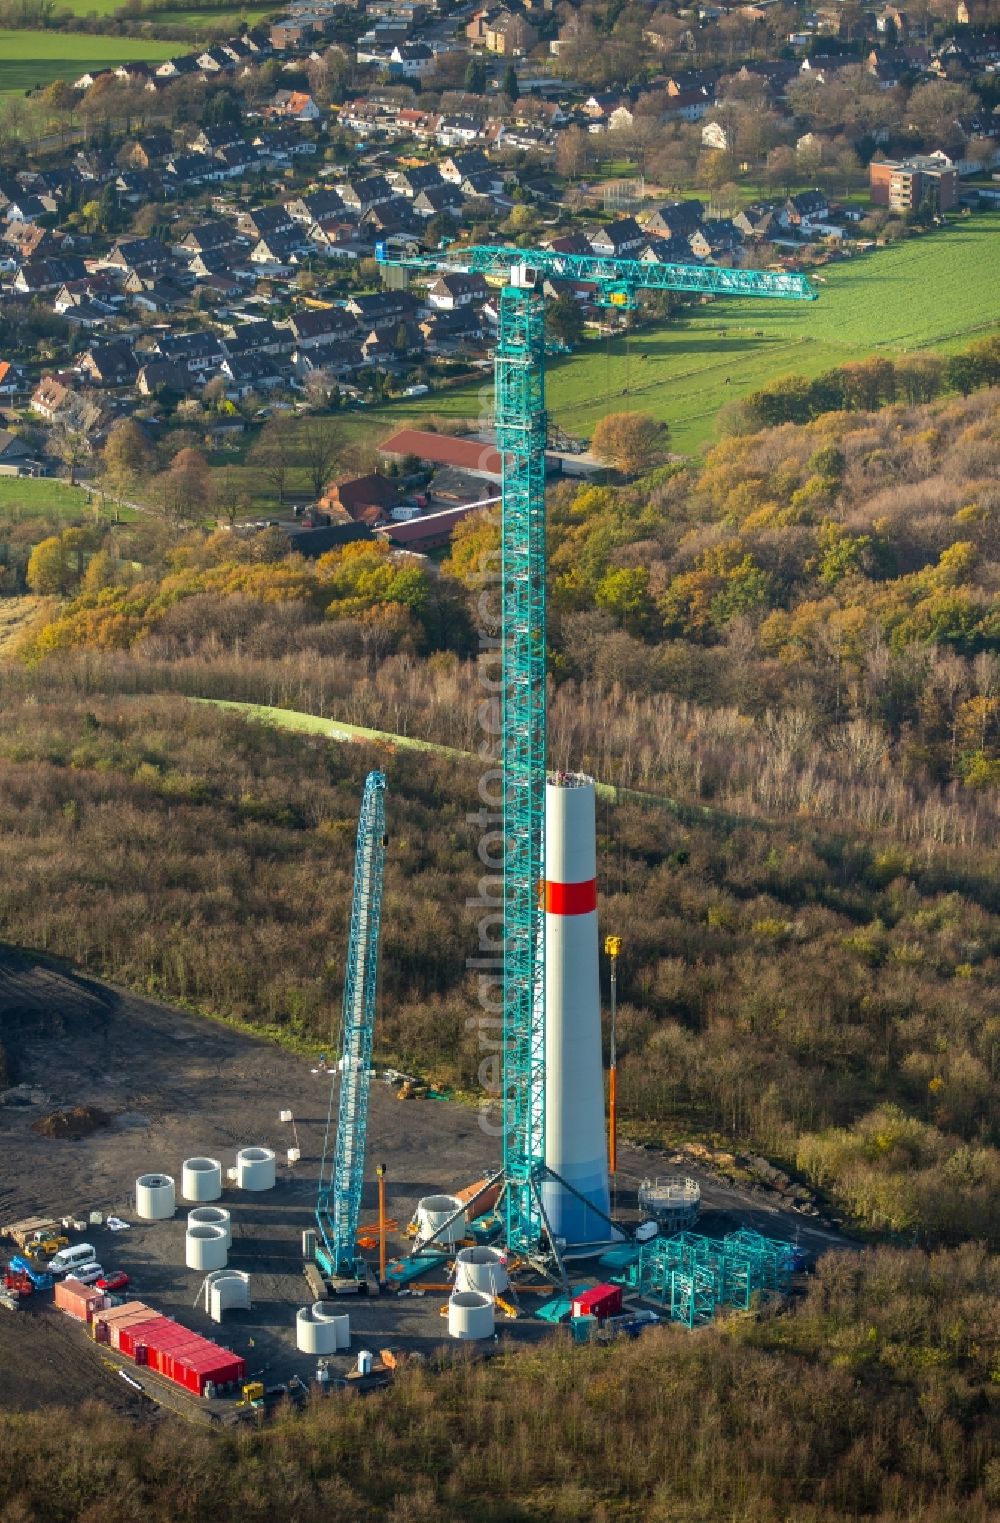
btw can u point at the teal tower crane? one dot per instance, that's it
(523, 275)
(342, 1168)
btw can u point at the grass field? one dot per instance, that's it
(208, 15)
(211, 20)
(22, 497)
(937, 291)
(28, 59)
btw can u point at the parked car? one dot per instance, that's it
(87, 1274)
(115, 1279)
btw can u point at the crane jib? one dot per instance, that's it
(506, 263)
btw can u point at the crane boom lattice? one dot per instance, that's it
(342, 1169)
(521, 435)
(520, 421)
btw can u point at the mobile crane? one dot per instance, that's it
(342, 1169)
(523, 276)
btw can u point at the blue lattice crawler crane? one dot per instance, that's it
(522, 275)
(342, 1170)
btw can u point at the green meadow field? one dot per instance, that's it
(25, 497)
(28, 59)
(938, 291)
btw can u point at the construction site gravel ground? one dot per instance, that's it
(175, 1086)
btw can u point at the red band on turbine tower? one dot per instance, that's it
(570, 898)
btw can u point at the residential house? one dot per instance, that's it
(675, 218)
(182, 169)
(362, 195)
(438, 199)
(266, 222)
(454, 131)
(146, 254)
(49, 397)
(109, 365)
(363, 499)
(715, 238)
(410, 60)
(277, 254)
(314, 207)
(689, 105)
(214, 61)
(206, 238)
(799, 212)
(316, 326)
(14, 454)
(12, 380)
(510, 36)
(185, 67)
(382, 310)
(448, 292)
(759, 220)
(617, 239)
(209, 140)
(259, 336)
(158, 376)
(39, 275)
(293, 105)
(289, 34)
(199, 352)
(334, 357)
(410, 182)
(247, 373)
(458, 166)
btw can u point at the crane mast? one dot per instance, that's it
(342, 1168)
(521, 432)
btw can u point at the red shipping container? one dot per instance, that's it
(193, 1364)
(211, 1363)
(163, 1360)
(163, 1330)
(124, 1331)
(111, 1314)
(125, 1335)
(79, 1301)
(598, 1301)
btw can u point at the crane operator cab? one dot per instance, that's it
(525, 277)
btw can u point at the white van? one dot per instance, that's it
(71, 1258)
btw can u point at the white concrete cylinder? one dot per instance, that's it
(155, 1198)
(212, 1216)
(201, 1179)
(365, 1361)
(284, 1116)
(293, 1155)
(323, 1312)
(432, 1213)
(255, 1169)
(481, 1269)
(226, 1290)
(575, 1137)
(470, 1315)
(312, 1336)
(205, 1248)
